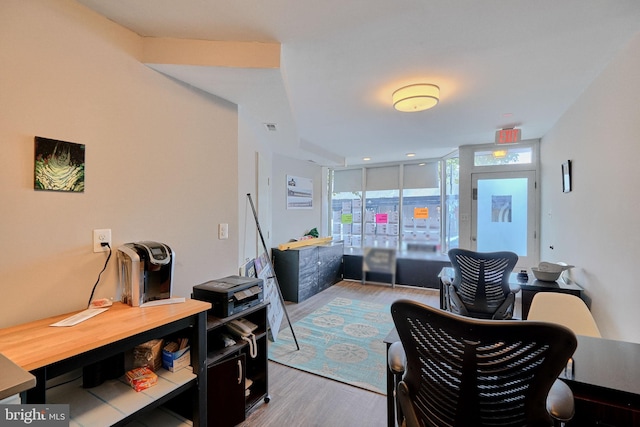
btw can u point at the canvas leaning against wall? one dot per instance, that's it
(299, 192)
(58, 165)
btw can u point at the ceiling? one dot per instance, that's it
(498, 63)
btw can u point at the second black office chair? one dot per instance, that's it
(460, 371)
(481, 286)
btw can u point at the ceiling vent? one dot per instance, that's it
(271, 127)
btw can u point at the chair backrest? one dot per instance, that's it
(564, 309)
(463, 371)
(482, 279)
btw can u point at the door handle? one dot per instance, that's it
(239, 372)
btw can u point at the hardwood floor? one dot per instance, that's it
(302, 399)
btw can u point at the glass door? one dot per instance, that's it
(504, 214)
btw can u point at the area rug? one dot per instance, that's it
(343, 341)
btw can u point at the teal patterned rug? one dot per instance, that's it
(342, 341)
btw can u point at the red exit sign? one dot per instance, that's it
(507, 136)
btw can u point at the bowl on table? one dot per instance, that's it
(546, 276)
(548, 271)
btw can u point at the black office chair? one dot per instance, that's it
(462, 371)
(481, 287)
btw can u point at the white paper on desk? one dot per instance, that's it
(80, 317)
(173, 300)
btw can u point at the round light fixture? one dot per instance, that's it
(416, 97)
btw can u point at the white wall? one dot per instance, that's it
(254, 153)
(596, 226)
(161, 160)
(293, 223)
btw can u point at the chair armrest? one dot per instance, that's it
(446, 280)
(396, 358)
(560, 404)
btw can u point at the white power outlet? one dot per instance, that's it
(223, 231)
(101, 236)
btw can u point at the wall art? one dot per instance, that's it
(58, 166)
(299, 193)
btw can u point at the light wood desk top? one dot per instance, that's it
(36, 344)
(14, 379)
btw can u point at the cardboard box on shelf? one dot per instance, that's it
(176, 356)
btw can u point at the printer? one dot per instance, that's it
(230, 295)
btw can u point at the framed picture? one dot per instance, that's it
(566, 176)
(299, 192)
(58, 165)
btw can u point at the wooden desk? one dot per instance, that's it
(48, 352)
(14, 379)
(605, 384)
(528, 288)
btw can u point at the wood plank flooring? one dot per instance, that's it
(300, 399)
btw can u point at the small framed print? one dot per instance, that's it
(299, 192)
(58, 165)
(566, 176)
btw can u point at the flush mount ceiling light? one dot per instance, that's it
(417, 97)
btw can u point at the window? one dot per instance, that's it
(397, 206)
(450, 218)
(421, 207)
(503, 155)
(382, 207)
(346, 207)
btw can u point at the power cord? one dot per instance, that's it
(103, 244)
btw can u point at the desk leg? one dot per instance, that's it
(391, 408)
(38, 394)
(199, 356)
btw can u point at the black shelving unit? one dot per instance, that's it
(228, 367)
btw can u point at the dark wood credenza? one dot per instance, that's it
(306, 271)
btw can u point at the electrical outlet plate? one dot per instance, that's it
(223, 231)
(100, 236)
